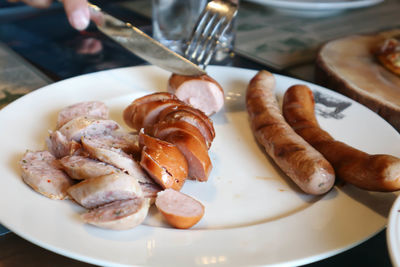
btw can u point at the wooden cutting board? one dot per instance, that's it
(348, 66)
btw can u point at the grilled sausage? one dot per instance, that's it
(370, 172)
(297, 159)
(179, 210)
(131, 110)
(163, 161)
(201, 92)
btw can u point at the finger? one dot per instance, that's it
(96, 17)
(38, 3)
(78, 13)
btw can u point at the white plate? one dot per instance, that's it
(393, 233)
(315, 7)
(254, 214)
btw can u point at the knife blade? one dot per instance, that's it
(144, 46)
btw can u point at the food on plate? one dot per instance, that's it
(370, 172)
(147, 113)
(388, 53)
(41, 171)
(296, 158)
(132, 110)
(195, 152)
(193, 110)
(349, 66)
(118, 215)
(186, 127)
(94, 109)
(97, 191)
(165, 127)
(186, 116)
(163, 161)
(81, 168)
(116, 175)
(81, 126)
(60, 146)
(201, 92)
(179, 210)
(104, 152)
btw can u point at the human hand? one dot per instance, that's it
(77, 11)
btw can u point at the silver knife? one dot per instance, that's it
(144, 46)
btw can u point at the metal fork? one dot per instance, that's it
(213, 22)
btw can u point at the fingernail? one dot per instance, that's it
(79, 19)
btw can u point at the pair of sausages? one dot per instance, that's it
(371, 172)
(305, 152)
(296, 158)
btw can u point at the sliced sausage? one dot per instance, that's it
(179, 210)
(131, 110)
(147, 113)
(60, 146)
(127, 142)
(95, 109)
(201, 92)
(370, 172)
(104, 189)
(195, 152)
(117, 158)
(85, 126)
(81, 168)
(41, 171)
(118, 215)
(164, 162)
(193, 119)
(296, 158)
(164, 128)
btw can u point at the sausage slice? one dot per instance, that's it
(41, 171)
(180, 210)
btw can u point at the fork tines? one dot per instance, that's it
(213, 22)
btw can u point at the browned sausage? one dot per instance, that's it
(192, 119)
(370, 172)
(300, 161)
(179, 210)
(131, 110)
(201, 92)
(163, 161)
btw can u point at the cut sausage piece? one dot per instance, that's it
(195, 152)
(60, 146)
(85, 126)
(147, 113)
(118, 215)
(41, 171)
(194, 120)
(164, 162)
(81, 168)
(296, 158)
(201, 92)
(116, 157)
(100, 190)
(180, 210)
(131, 110)
(94, 109)
(370, 172)
(121, 160)
(121, 140)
